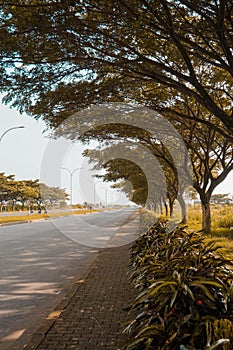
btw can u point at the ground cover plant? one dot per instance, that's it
(185, 297)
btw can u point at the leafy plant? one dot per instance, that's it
(184, 292)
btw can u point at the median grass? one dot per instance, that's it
(222, 226)
(32, 217)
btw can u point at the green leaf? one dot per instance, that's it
(172, 337)
(151, 330)
(162, 285)
(134, 343)
(173, 298)
(188, 290)
(148, 343)
(201, 284)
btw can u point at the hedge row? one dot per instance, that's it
(185, 292)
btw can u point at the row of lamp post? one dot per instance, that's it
(106, 193)
(70, 172)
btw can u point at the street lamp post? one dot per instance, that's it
(95, 183)
(114, 192)
(15, 127)
(71, 182)
(106, 196)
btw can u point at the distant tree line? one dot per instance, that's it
(26, 194)
(222, 198)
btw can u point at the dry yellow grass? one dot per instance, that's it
(222, 226)
(33, 217)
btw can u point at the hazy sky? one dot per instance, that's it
(22, 153)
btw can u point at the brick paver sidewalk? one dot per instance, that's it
(94, 315)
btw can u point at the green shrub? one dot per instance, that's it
(184, 292)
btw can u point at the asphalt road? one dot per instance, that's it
(39, 263)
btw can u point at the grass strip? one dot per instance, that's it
(33, 217)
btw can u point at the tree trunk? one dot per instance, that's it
(181, 201)
(161, 207)
(171, 207)
(166, 208)
(171, 210)
(206, 216)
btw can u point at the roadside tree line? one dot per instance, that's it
(210, 156)
(173, 57)
(25, 194)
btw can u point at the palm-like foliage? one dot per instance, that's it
(185, 298)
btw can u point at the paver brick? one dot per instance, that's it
(95, 316)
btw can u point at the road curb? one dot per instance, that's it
(15, 223)
(38, 220)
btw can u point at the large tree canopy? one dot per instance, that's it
(60, 56)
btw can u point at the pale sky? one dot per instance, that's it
(22, 153)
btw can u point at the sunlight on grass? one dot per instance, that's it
(225, 246)
(33, 217)
(222, 226)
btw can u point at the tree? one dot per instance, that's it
(210, 169)
(133, 181)
(59, 57)
(210, 153)
(27, 191)
(153, 181)
(52, 195)
(5, 188)
(122, 169)
(212, 160)
(9, 189)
